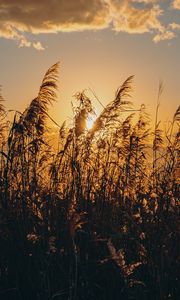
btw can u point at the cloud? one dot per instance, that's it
(174, 26)
(22, 18)
(176, 4)
(19, 17)
(52, 16)
(167, 35)
(142, 18)
(128, 18)
(38, 46)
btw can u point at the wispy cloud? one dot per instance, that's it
(126, 17)
(176, 4)
(38, 46)
(19, 17)
(167, 35)
(174, 26)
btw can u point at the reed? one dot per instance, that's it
(96, 218)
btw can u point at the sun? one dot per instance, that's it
(90, 122)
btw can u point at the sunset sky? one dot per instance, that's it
(99, 43)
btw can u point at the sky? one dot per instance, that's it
(99, 43)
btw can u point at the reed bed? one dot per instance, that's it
(98, 217)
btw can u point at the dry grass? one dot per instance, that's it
(99, 217)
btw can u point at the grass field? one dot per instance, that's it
(97, 218)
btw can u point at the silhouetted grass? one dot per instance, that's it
(99, 217)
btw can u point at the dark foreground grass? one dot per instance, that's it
(98, 219)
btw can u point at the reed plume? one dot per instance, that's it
(97, 204)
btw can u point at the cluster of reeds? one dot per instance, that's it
(97, 218)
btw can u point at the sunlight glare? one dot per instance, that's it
(90, 122)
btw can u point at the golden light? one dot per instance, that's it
(90, 122)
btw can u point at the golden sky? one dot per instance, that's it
(99, 43)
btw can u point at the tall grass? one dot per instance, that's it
(97, 218)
